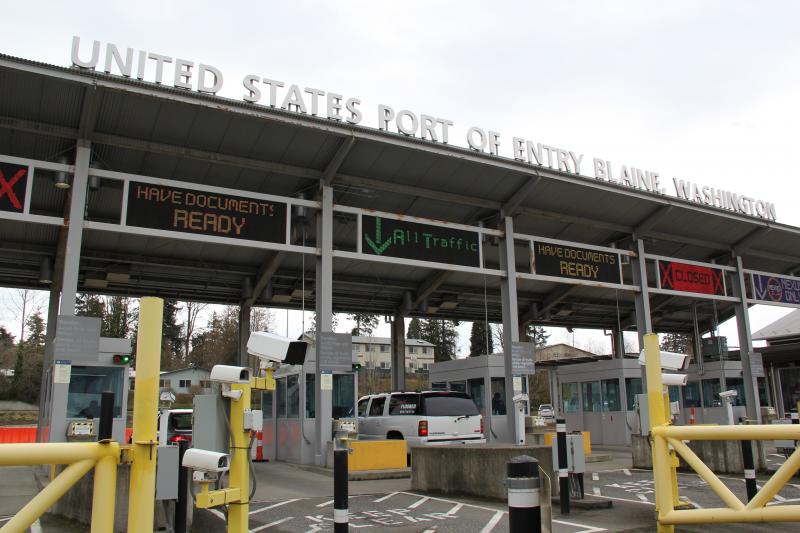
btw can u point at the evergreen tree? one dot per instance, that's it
(171, 337)
(443, 335)
(89, 305)
(414, 329)
(219, 343)
(365, 324)
(119, 319)
(480, 341)
(537, 335)
(7, 355)
(28, 368)
(677, 342)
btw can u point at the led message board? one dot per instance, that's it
(562, 261)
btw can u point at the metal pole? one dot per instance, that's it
(105, 492)
(563, 469)
(142, 491)
(240, 466)
(340, 478)
(106, 416)
(524, 511)
(183, 486)
(749, 468)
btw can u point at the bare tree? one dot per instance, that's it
(193, 310)
(262, 319)
(23, 303)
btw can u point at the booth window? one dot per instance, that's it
(674, 394)
(292, 396)
(763, 397)
(311, 391)
(85, 385)
(344, 394)
(569, 395)
(633, 386)
(691, 394)
(280, 392)
(498, 396)
(737, 384)
(266, 404)
(476, 390)
(439, 385)
(711, 390)
(591, 396)
(458, 386)
(790, 388)
(610, 390)
(376, 408)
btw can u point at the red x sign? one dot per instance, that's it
(13, 180)
(691, 278)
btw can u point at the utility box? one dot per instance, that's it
(576, 459)
(167, 472)
(714, 347)
(209, 429)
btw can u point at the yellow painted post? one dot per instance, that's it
(105, 494)
(47, 497)
(240, 466)
(662, 475)
(673, 457)
(145, 417)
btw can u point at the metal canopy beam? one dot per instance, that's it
(265, 273)
(338, 158)
(88, 112)
(513, 202)
(650, 221)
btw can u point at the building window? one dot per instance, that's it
(205, 384)
(569, 395)
(292, 397)
(184, 383)
(633, 386)
(280, 392)
(610, 391)
(592, 399)
(476, 391)
(344, 396)
(737, 384)
(383, 364)
(691, 395)
(498, 396)
(711, 390)
(266, 403)
(384, 348)
(163, 383)
(86, 385)
(439, 385)
(458, 386)
(424, 350)
(311, 391)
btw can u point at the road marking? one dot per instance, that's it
(216, 513)
(643, 497)
(591, 529)
(275, 523)
(5, 519)
(36, 527)
(596, 491)
(626, 471)
(595, 476)
(624, 500)
(777, 497)
(273, 506)
(493, 522)
(418, 503)
(379, 500)
(455, 509)
(450, 501)
(323, 504)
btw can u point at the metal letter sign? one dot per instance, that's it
(13, 183)
(424, 242)
(690, 278)
(206, 213)
(522, 361)
(575, 263)
(336, 351)
(776, 289)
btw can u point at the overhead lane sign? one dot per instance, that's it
(171, 208)
(776, 289)
(404, 239)
(13, 184)
(684, 277)
(588, 264)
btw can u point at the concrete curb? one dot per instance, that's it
(598, 458)
(365, 475)
(587, 504)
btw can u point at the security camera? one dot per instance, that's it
(206, 461)
(272, 348)
(670, 361)
(230, 374)
(728, 394)
(674, 380)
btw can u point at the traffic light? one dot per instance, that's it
(356, 367)
(122, 359)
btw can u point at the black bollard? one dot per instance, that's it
(105, 431)
(183, 488)
(340, 513)
(749, 469)
(563, 468)
(523, 484)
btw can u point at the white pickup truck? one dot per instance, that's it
(421, 418)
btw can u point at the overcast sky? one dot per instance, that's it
(700, 90)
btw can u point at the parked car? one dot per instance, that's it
(421, 418)
(175, 425)
(546, 411)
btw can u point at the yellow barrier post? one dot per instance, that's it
(240, 466)
(145, 417)
(105, 494)
(662, 475)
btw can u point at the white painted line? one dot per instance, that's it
(590, 529)
(595, 476)
(418, 503)
(325, 504)
(624, 500)
(643, 497)
(777, 497)
(455, 509)
(275, 523)
(626, 471)
(596, 491)
(379, 500)
(6, 518)
(492, 509)
(36, 527)
(273, 506)
(216, 513)
(493, 522)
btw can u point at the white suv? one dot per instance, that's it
(421, 418)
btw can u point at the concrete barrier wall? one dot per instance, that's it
(721, 456)
(472, 470)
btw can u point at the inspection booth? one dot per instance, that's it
(84, 365)
(483, 378)
(289, 411)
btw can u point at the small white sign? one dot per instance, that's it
(517, 383)
(62, 371)
(326, 380)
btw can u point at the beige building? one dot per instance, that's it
(376, 353)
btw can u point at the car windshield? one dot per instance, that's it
(449, 404)
(181, 421)
(545, 406)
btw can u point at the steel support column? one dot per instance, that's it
(244, 333)
(324, 315)
(508, 296)
(644, 324)
(745, 343)
(398, 352)
(77, 207)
